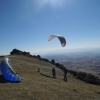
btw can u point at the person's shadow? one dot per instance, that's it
(45, 75)
(2, 79)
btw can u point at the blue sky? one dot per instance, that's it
(27, 24)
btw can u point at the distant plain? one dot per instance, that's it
(85, 61)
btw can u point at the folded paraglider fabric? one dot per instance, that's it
(7, 71)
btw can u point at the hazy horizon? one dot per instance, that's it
(77, 50)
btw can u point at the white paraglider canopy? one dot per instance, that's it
(60, 37)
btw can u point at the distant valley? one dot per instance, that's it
(88, 61)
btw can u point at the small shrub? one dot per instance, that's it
(38, 56)
(81, 75)
(92, 79)
(53, 61)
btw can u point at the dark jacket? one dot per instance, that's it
(53, 70)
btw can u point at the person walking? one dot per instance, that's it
(54, 72)
(65, 74)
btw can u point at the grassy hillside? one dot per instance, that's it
(41, 86)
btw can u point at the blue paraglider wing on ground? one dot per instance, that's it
(7, 71)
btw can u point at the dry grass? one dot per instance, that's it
(43, 87)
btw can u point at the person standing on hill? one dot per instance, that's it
(54, 72)
(65, 74)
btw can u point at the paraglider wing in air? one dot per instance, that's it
(60, 37)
